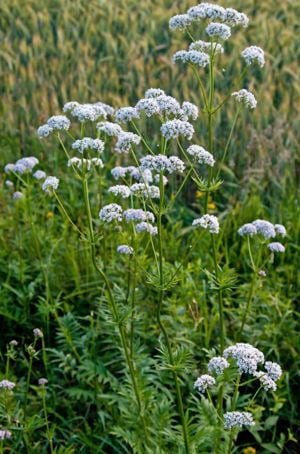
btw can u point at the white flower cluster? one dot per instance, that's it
(125, 140)
(23, 165)
(111, 212)
(145, 190)
(264, 228)
(173, 129)
(154, 93)
(109, 128)
(161, 163)
(6, 384)
(146, 227)
(39, 175)
(267, 230)
(164, 105)
(217, 365)
(194, 57)
(180, 22)
(189, 110)
(138, 215)
(120, 190)
(134, 172)
(201, 155)
(246, 97)
(149, 106)
(203, 382)
(238, 419)
(87, 164)
(207, 46)
(87, 143)
(126, 114)
(208, 222)
(124, 249)
(17, 195)
(5, 434)
(276, 247)
(208, 11)
(50, 184)
(88, 112)
(247, 357)
(221, 31)
(254, 54)
(55, 123)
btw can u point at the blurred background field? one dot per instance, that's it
(54, 51)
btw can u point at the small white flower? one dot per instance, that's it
(161, 163)
(276, 247)
(125, 142)
(262, 273)
(254, 54)
(208, 222)
(37, 332)
(238, 419)
(216, 29)
(246, 97)
(6, 384)
(39, 175)
(280, 230)
(124, 249)
(44, 131)
(88, 112)
(69, 106)
(264, 228)
(9, 184)
(59, 122)
(126, 114)
(168, 105)
(120, 190)
(247, 357)
(154, 92)
(274, 370)
(173, 129)
(247, 229)
(5, 434)
(144, 190)
(233, 17)
(146, 227)
(50, 184)
(9, 168)
(206, 11)
(206, 46)
(194, 57)
(42, 381)
(201, 155)
(138, 215)
(109, 128)
(17, 195)
(25, 165)
(203, 382)
(111, 212)
(180, 22)
(109, 110)
(149, 106)
(189, 110)
(266, 381)
(217, 365)
(87, 143)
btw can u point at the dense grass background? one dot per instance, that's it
(60, 50)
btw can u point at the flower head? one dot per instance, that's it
(109, 128)
(264, 228)
(154, 93)
(50, 184)
(246, 97)
(247, 357)
(39, 175)
(189, 110)
(195, 57)
(146, 227)
(238, 419)
(206, 11)
(87, 143)
(206, 46)
(38, 333)
(111, 212)
(124, 249)
(6, 384)
(126, 114)
(180, 22)
(17, 195)
(217, 365)
(138, 215)
(149, 106)
(203, 382)
(221, 31)
(233, 17)
(201, 155)
(42, 381)
(125, 141)
(276, 247)
(5, 434)
(59, 122)
(208, 222)
(88, 112)
(173, 129)
(247, 229)
(254, 54)
(120, 190)
(274, 370)
(44, 131)
(280, 230)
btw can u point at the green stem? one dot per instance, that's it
(142, 138)
(228, 142)
(220, 296)
(46, 421)
(65, 214)
(233, 407)
(112, 302)
(31, 354)
(210, 121)
(160, 323)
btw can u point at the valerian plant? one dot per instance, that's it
(131, 185)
